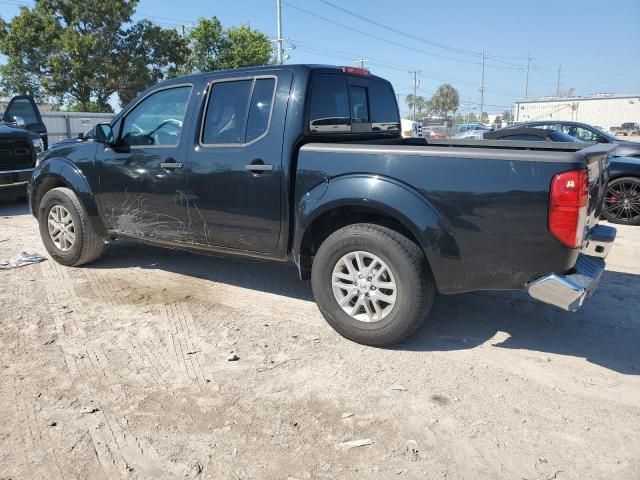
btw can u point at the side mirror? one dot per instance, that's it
(104, 134)
(19, 121)
(80, 136)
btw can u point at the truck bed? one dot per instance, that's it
(491, 200)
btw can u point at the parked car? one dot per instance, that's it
(22, 137)
(411, 129)
(380, 224)
(626, 129)
(586, 133)
(622, 198)
(438, 131)
(471, 130)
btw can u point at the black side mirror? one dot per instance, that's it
(104, 134)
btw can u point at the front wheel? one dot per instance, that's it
(65, 229)
(372, 284)
(622, 201)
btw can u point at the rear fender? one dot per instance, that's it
(388, 197)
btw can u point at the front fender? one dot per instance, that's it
(390, 198)
(59, 171)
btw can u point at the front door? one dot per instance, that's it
(24, 107)
(142, 179)
(235, 166)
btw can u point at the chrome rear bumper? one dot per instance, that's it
(569, 291)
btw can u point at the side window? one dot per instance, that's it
(329, 110)
(157, 120)
(260, 109)
(226, 116)
(384, 111)
(359, 104)
(22, 107)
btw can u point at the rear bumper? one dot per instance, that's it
(569, 291)
(15, 178)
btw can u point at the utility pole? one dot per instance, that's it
(558, 82)
(279, 39)
(526, 83)
(361, 61)
(482, 89)
(415, 92)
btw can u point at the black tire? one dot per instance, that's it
(416, 288)
(614, 209)
(87, 246)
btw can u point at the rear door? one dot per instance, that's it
(24, 107)
(235, 170)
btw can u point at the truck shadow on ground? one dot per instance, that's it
(10, 206)
(605, 332)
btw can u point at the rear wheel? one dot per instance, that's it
(622, 201)
(65, 229)
(372, 284)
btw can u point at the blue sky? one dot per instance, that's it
(596, 42)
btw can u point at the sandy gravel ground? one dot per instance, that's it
(120, 370)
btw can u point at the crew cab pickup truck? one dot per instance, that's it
(22, 137)
(306, 163)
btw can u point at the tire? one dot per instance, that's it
(414, 293)
(614, 209)
(87, 245)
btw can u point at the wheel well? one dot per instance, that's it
(48, 183)
(333, 220)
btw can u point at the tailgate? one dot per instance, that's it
(597, 160)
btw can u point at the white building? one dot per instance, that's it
(603, 110)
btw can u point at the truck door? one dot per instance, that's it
(23, 108)
(235, 169)
(141, 179)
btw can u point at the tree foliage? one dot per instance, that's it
(507, 116)
(213, 47)
(422, 106)
(82, 53)
(446, 99)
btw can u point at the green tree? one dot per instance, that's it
(84, 52)
(213, 47)
(507, 116)
(484, 117)
(446, 99)
(422, 106)
(472, 118)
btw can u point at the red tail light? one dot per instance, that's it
(356, 71)
(568, 206)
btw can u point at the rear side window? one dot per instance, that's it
(330, 110)
(238, 111)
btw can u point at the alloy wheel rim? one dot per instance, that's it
(622, 201)
(364, 286)
(61, 228)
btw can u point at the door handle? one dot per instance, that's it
(258, 167)
(171, 165)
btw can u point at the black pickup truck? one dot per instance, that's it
(22, 137)
(305, 163)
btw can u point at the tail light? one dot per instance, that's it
(568, 206)
(356, 71)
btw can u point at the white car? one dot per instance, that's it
(411, 129)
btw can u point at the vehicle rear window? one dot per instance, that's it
(384, 111)
(238, 111)
(341, 104)
(329, 111)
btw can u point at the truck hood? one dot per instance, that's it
(8, 132)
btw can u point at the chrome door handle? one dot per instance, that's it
(171, 165)
(258, 167)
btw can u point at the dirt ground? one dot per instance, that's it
(120, 370)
